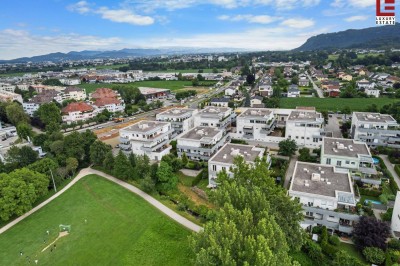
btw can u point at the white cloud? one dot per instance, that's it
(261, 19)
(298, 23)
(356, 18)
(115, 15)
(362, 3)
(13, 43)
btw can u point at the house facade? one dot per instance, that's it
(77, 111)
(181, 119)
(149, 138)
(211, 116)
(255, 123)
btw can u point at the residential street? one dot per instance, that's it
(88, 171)
(317, 89)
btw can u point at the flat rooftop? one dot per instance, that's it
(374, 117)
(145, 126)
(212, 110)
(304, 116)
(256, 112)
(229, 151)
(345, 147)
(326, 183)
(199, 133)
(147, 90)
(177, 112)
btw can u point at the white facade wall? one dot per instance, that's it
(307, 134)
(78, 116)
(315, 200)
(395, 225)
(30, 108)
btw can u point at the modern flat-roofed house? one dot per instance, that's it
(154, 93)
(305, 127)
(146, 137)
(375, 129)
(211, 116)
(200, 143)
(223, 160)
(395, 225)
(265, 89)
(220, 102)
(255, 123)
(181, 119)
(257, 102)
(352, 155)
(326, 194)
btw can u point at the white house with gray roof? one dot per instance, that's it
(375, 129)
(223, 160)
(200, 143)
(146, 137)
(212, 116)
(352, 155)
(326, 194)
(255, 123)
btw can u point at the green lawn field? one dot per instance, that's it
(121, 229)
(162, 84)
(335, 104)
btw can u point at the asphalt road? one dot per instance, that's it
(316, 88)
(333, 126)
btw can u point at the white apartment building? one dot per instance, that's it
(146, 137)
(223, 160)
(266, 90)
(70, 82)
(211, 116)
(6, 96)
(255, 124)
(74, 93)
(220, 102)
(7, 87)
(181, 119)
(305, 127)
(375, 129)
(352, 155)
(324, 191)
(79, 111)
(373, 92)
(395, 225)
(200, 143)
(111, 104)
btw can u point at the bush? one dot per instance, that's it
(374, 255)
(202, 175)
(370, 192)
(317, 230)
(383, 198)
(394, 244)
(329, 250)
(324, 235)
(387, 216)
(334, 240)
(312, 249)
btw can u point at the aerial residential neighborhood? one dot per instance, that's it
(200, 133)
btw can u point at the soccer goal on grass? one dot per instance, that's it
(65, 228)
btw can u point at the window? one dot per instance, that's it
(353, 163)
(297, 137)
(310, 204)
(339, 163)
(331, 216)
(315, 140)
(347, 162)
(302, 137)
(214, 168)
(223, 168)
(328, 161)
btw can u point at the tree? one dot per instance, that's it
(39, 181)
(396, 85)
(53, 127)
(147, 184)
(374, 255)
(295, 80)
(342, 258)
(49, 113)
(246, 70)
(24, 131)
(44, 166)
(17, 196)
(346, 111)
(215, 70)
(370, 232)
(122, 167)
(39, 139)
(287, 147)
(305, 155)
(52, 82)
(237, 237)
(16, 114)
(98, 151)
(252, 187)
(166, 178)
(250, 79)
(108, 162)
(184, 159)
(71, 164)
(20, 157)
(142, 166)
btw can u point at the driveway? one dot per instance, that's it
(333, 126)
(88, 171)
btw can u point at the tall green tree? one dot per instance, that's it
(287, 147)
(39, 181)
(166, 178)
(122, 167)
(20, 157)
(49, 113)
(108, 162)
(24, 130)
(71, 164)
(16, 114)
(98, 151)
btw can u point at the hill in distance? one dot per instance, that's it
(379, 37)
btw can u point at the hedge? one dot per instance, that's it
(369, 192)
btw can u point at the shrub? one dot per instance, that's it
(312, 249)
(370, 192)
(374, 255)
(394, 244)
(334, 240)
(383, 198)
(324, 235)
(387, 216)
(328, 249)
(317, 230)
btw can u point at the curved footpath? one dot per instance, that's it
(89, 171)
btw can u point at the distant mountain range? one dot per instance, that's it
(379, 37)
(124, 53)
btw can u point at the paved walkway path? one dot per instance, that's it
(289, 171)
(390, 167)
(88, 171)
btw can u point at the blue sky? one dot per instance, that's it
(37, 27)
